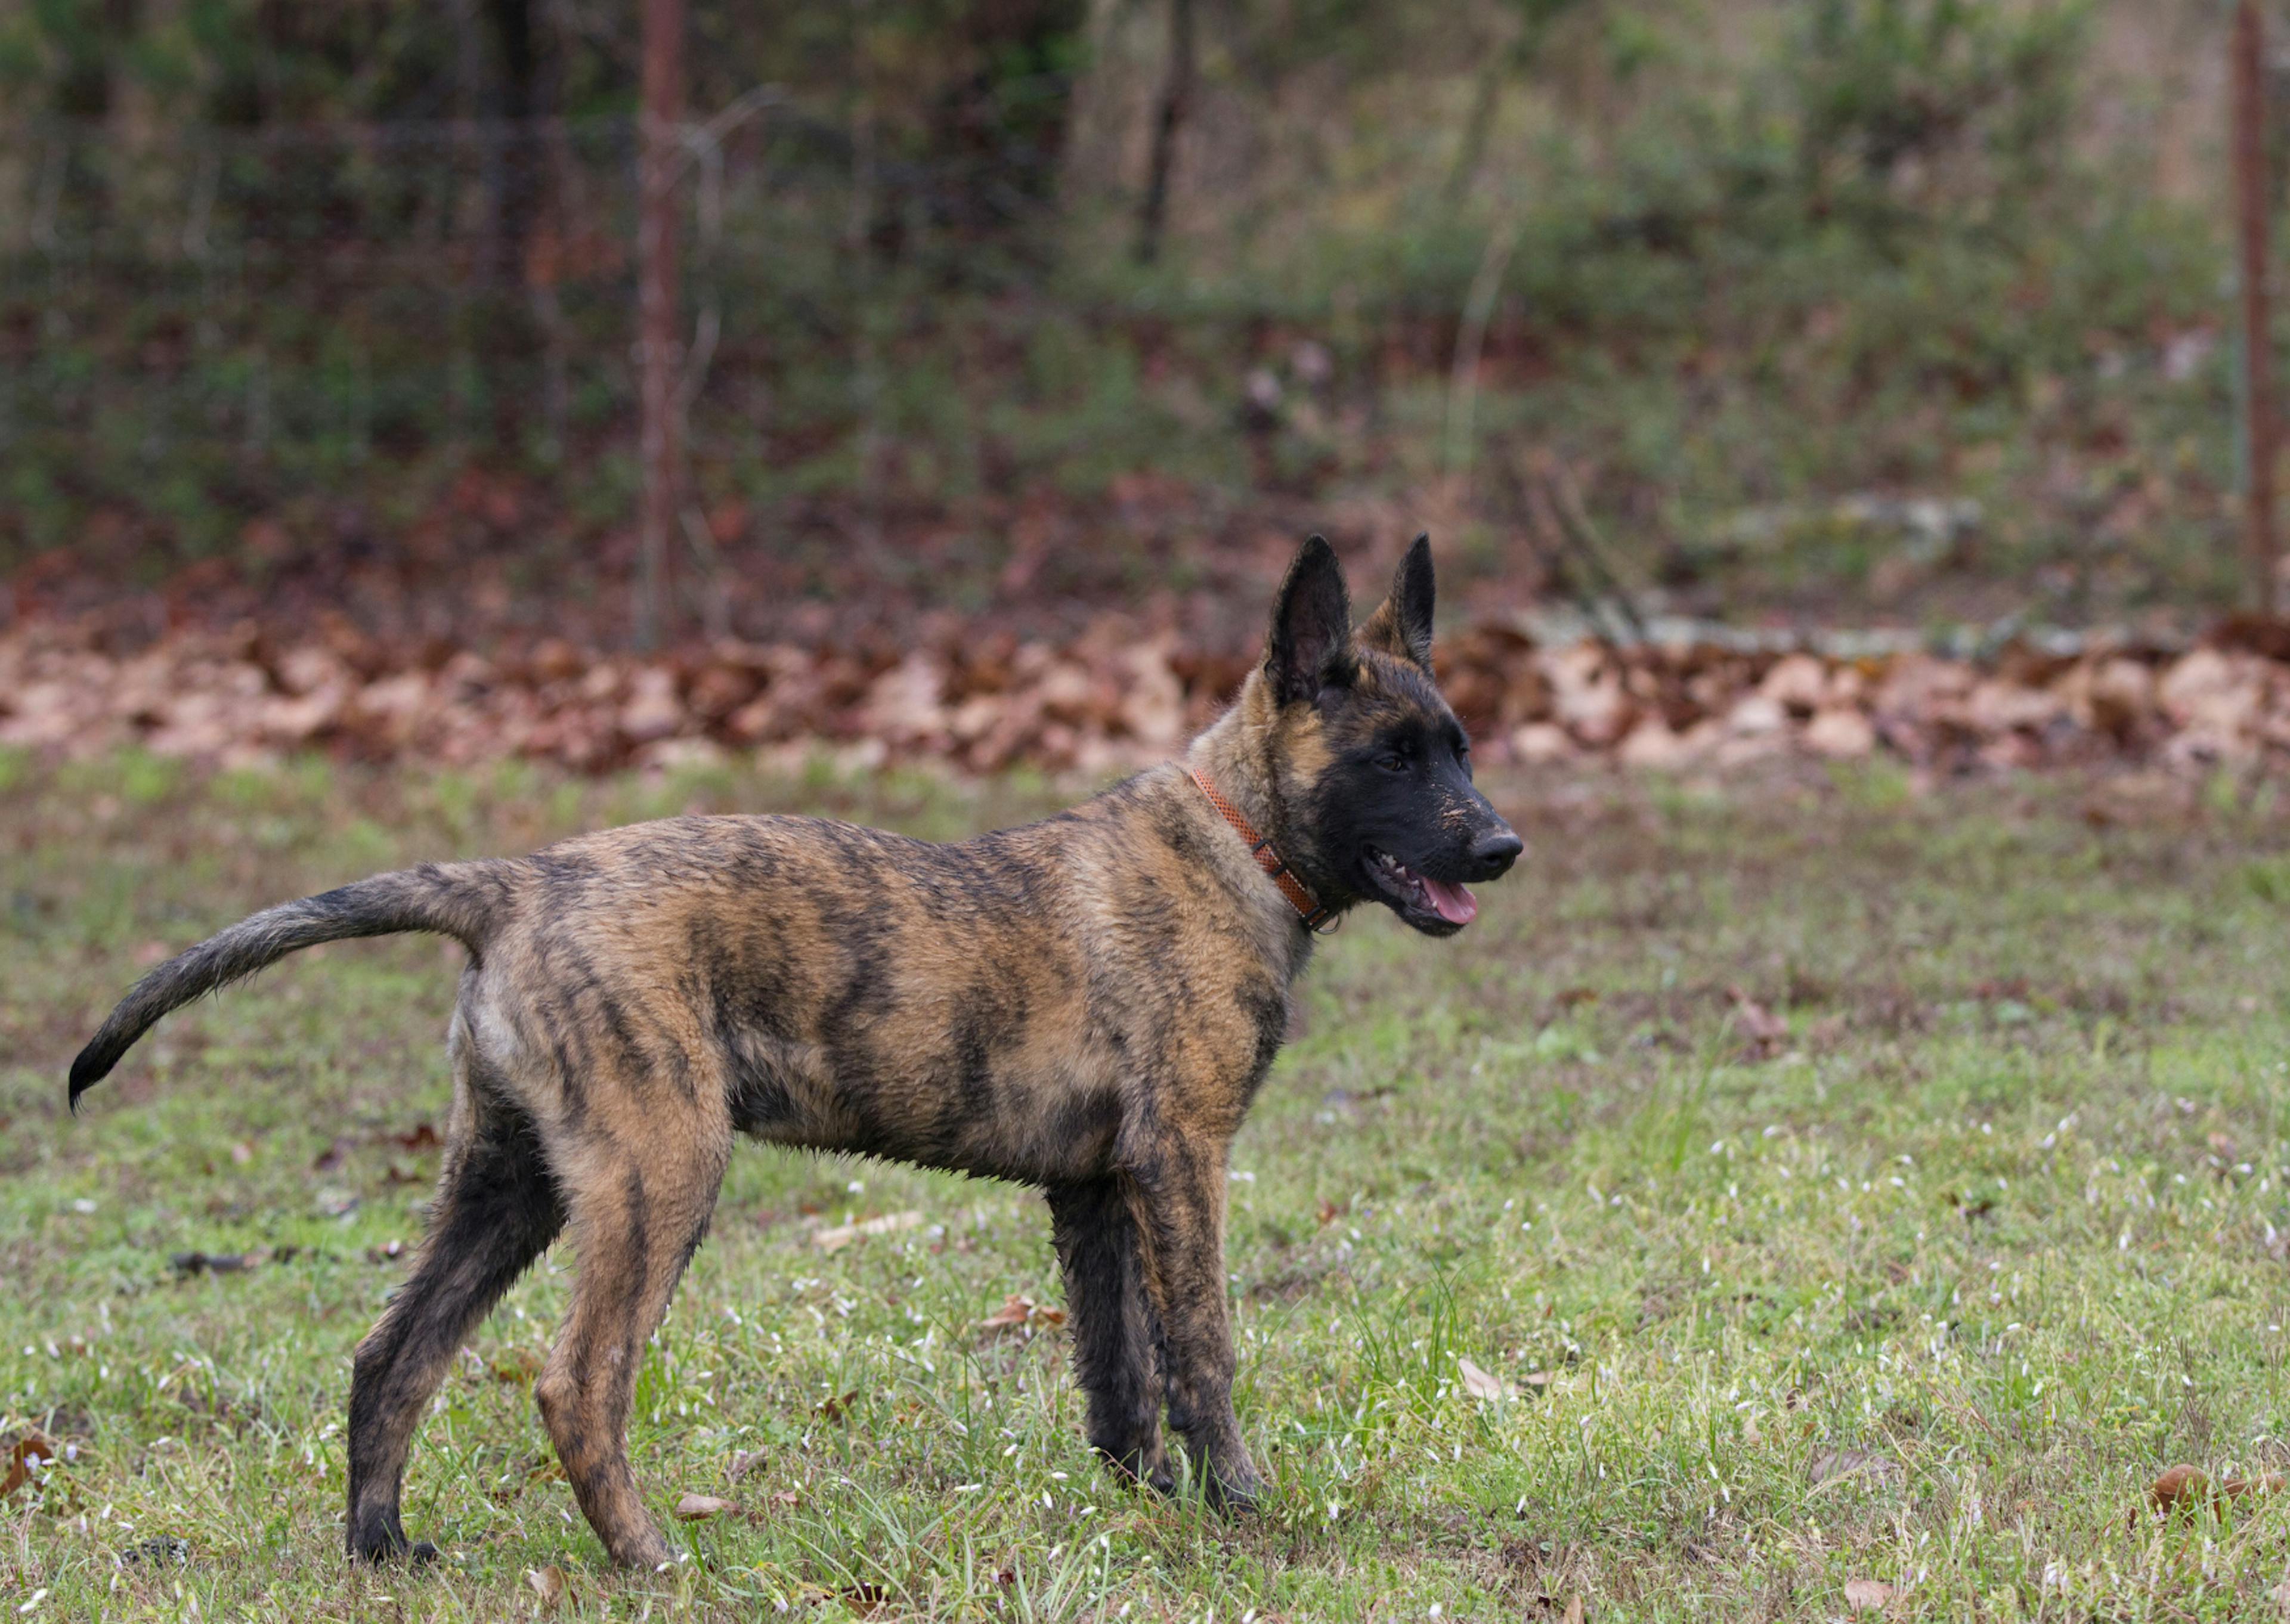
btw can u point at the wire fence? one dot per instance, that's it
(1725, 332)
(206, 308)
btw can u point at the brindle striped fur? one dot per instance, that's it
(1087, 1004)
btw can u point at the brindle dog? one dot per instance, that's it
(1088, 1004)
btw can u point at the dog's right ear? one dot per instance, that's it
(1311, 648)
(1401, 625)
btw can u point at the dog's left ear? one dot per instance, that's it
(1401, 625)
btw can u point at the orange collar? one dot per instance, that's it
(1308, 907)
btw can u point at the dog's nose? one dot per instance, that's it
(1494, 852)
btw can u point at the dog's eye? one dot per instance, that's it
(1392, 761)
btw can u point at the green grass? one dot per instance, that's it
(1998, 1227)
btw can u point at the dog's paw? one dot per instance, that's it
(1236, 1493)
(381, 1538)
(652, 1552)
(1139, 1470)
(378, 1538)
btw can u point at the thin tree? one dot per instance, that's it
(1175, 103)
(519, 90)
(656, 302)
(1500, 62)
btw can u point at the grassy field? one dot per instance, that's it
(1916, 1268)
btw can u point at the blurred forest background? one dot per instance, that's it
(1848, 311)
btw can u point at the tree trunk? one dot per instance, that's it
(1486, 96)
(516, 149)
(515, 101)
(1169, 117)
(656, 305)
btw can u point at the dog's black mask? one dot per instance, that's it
(1390, 811)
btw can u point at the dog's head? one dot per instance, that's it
(1370, 762)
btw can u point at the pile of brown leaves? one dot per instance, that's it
(1112, 697)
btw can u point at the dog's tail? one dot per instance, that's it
(464, 901)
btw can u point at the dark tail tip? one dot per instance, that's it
(88, 1068)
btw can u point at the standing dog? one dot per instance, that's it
(1088, 1004)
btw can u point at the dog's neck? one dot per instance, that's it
(1231, 751)
(1236, 753)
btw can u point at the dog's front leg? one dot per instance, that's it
(1177, 1190)
(1115, 1330)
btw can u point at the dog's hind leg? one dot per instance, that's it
(1114, 1329)
(496, 1210)
(639, 1207)
(1176, 1189)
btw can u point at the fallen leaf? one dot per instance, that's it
(27, 1455)
(549, 1584)
(1019, 1313)
(1482, 1384)
(1093, 698)
(421, 1136)
(788, 1497)
(1575, 1611)
(866, 1597)
(1329, 1212)
(1013, 1311)
(519, 1364)
(1867, 1594)
(1835, 1465)
(746, 1461)
(700, 1508)
(1766, 1031)
(889, 1223)
(186, 1264)
(836, 1407)
(2183, 1488)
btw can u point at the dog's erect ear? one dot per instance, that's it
(1401, 625)
(1310, 646)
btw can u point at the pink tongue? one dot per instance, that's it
(1455, 903)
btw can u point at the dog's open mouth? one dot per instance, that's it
(1426, 901)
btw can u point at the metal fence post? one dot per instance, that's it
(2252, 209)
